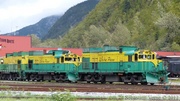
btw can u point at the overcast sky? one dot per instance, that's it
(15, 14)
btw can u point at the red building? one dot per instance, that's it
(10, 44)
(168, 54)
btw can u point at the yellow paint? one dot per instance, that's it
(42, 59)
(147, 53)
(45, 59)
(72, 58)
(11, 60)
(106, 57)
(120, 57)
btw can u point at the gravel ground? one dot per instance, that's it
(125, 96)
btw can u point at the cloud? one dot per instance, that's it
(15, 14)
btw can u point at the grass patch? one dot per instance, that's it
(175, 80)
(24, 99)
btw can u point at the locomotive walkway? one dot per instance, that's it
(84, 87)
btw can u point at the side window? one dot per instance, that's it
(130, 58)
(62, 59)
(92, 65)
(136, 57)
(120, 50)
(95, 65)
(85, 63)
(57, 60)
(19, 63)
(30, 64)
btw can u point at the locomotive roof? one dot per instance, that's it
(107, 48)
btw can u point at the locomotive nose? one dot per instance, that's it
(163, 79)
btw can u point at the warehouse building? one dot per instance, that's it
(10, 44)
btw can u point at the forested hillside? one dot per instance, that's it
(71, 17)
(149, 24)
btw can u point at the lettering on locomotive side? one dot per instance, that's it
(94, 59)
(102, 59)
(109, 59)
(41, 61)
(6, 40)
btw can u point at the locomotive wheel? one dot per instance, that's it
(15, 76)
(103, 81)
(125, 83)
(97, 78)
(0, 76)
(144, 83)
(39, 78)
(32, 77)
(3, 77)
(57, 78)
(62, 78)
(10, 77)
(88, 78)
(134, 83)
(28, 77)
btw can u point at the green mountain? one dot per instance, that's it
(149, 24)
(71, 17)
(40, 28)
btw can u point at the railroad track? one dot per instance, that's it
(84, 87)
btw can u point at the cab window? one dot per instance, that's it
(74, 59)
(153, 56)
(148, 56)
(141, 56)
(144, 56)
(68, 59)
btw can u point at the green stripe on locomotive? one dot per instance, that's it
(56, 68)
(120, 66)
(8, 68)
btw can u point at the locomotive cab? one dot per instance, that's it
(71, 58)
(155, 70)
(144, 55)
